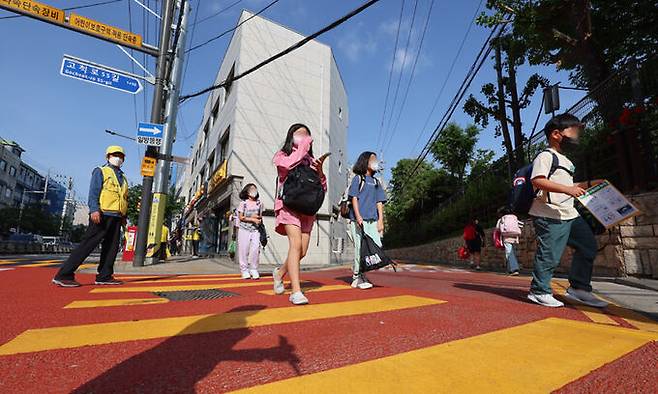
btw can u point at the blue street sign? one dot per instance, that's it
(150, 133)
(78, 69)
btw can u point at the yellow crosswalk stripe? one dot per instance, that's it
(594, 314)
(43, 263)
(174, 276)
(35, 340)
(180, 280)
(312, 289)
(152, 289)
(115, 302)
(569, 350)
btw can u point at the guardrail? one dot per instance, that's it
(17, 247)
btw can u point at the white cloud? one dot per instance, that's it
(357, 43)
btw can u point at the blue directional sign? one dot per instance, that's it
(78, 69)
(150, 133)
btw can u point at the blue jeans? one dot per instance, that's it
(553, 236)
(510, 256)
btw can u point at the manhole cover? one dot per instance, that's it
(191, 295)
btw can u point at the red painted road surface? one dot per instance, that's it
(226, 360)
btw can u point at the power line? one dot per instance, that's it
(293, 47)
(475, 68)
(390, 73)
(233, 29)
(228, 7)
(70, 8)
(411, 78)
(445, 81)
(402, 65)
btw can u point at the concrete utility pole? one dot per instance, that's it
(156, 117)
(161, 181)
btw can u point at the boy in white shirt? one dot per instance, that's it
(556, 220)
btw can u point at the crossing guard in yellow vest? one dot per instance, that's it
(108, 206)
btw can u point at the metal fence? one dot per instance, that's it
(619, 143)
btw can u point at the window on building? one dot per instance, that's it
(12, 171)
(206, 129)
(211, 162)
(229, 82)
(215, 111)
(3, 165)
(340, 113)
(223, 145)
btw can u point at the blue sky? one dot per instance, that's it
(61, 122)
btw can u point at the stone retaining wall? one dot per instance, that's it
(628, 249)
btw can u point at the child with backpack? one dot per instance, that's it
(556, 220)
(250, 213)
(297, 153)
(509, 228)
(367, 198)
(474, 239)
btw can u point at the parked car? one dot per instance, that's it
(26, 238)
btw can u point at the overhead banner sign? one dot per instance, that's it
(91, 26)
(104, 76)
(35, 9)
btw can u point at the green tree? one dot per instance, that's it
(589, 38)
(481, 163)
(504, 97)
(454, 148)
(174, 205)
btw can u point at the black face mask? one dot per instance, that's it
(568, 143)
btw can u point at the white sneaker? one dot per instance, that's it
(278, 282)
(361, 283)
(545, 300)
(585, 297)
(245, 275)
(254, 274)
(355, 282)
(298, 298)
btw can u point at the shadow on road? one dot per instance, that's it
(180, 362)
(507, 292)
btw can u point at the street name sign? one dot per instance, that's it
(97, 74)
(150, 133)
(34, 9)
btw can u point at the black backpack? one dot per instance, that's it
(523, 192)
(302, 191)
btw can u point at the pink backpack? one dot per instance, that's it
(509, 226)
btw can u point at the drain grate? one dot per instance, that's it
(191, 295)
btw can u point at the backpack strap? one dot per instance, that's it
(555, 165)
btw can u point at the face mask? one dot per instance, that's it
(296, 140)
(568, 143)
(115, 161)
(253, 194)
(374, 166)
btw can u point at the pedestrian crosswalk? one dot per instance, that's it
(569, 349)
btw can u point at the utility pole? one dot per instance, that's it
(156, 117)
(161, 181)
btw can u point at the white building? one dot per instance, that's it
(245, 124)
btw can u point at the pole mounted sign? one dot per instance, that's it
(35, 9)
(105, 31)
(150, 134)
(100, 75)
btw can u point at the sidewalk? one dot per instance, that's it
(186, 265)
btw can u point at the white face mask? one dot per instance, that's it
(253, 194)
(115, 161)
(374, 166)
(296, 140)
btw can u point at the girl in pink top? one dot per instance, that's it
(296, 151)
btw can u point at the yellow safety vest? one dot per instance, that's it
(196, 235)
(114, 195)
(165, 234)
